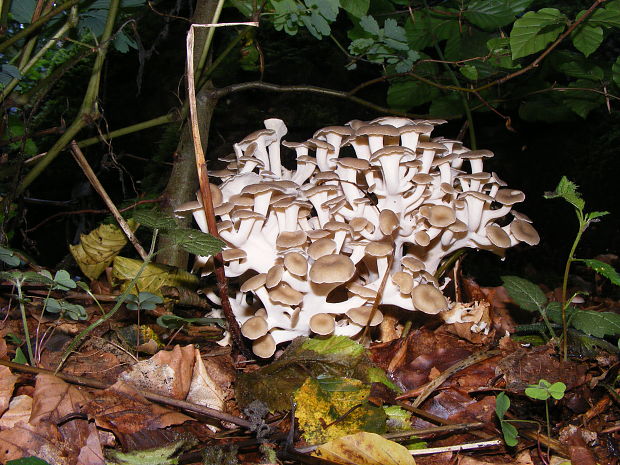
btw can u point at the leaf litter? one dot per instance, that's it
(347, 399)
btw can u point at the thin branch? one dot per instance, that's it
(92, 177)
(309, 89)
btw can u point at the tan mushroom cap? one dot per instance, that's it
(509, 196)
(447, 188)
(379, 249)
(377, 130)
(241, 200)
(422, 178)
(360, 316)
(412, 264)
(404, 281)
(283, 293)
(362, 291)
(322, 324)
(476, 154)
(524, 232)
(316, 234)
(428, 299)
(246, 214)
(223, 208)
(261, 312)
(358, 224)
(331, 269)
(295, 263)
(391, 150)
(233, 254)
(388, 221)
(247, 140)
(521, 216)
(274, 276)
(255, 327)
(188, 206)
(321, 247)
(355, 163)
(264, 347)
(288, 239)
(497, 236)
(441, 216)
(340, 130)
(254, 283)
(422, 238)
(336, 226)
(222, 174)
(476, 194)
(458, 227)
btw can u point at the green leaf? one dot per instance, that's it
(66, 309)
(22, 10)
(9, 257)
(404, 95)
(518, 6)
(535, 30)
(154, 219)
(581, 101)
(470, 72)
(587, 38)
(502, 404)
(63, 281)
(581, 69)
(568, 191)
(509, 432)
(597, 324)
(20, 357)
(606, 17)
(489, 14)
(176, 321)
(195, 242)
(526, 294)
(538, 391)
(8, 73)
(557, 390)
(595, 215)
(500, 53)
(554, 312)
(604, 269)
(143, 301)
(356, 8)
(341, 345)
(28, 460)
(370, 25)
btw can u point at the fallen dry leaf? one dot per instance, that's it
(204, 390)
(168, 373)
(7, 383)
(124, 411)
(365, 449)
(43, 441)
(91, 453)
(19, 411)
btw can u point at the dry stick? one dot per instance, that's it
(92, 177)
(378, 298)
(188, 406)
(205, 190)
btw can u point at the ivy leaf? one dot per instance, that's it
(604, 269)
(568, 191)
(535, 30)
(587, 38)
(526, 294)
(154, 219)
(356, 8)
(196, 242)
(489, 14)
(597, 324)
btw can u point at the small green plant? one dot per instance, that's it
(143, 301)
(531, 298)
(541, 391)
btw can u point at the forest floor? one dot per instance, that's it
(139, 389)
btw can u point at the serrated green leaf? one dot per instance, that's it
(581, 69)
(356, 8)
(154, 219)
(489, 14)
(518, 6)
(597, 324)
(587, 38)
(195, 242)
(604, 269)
(606, 17)
(568, 191)
(526, 294)
(370, 25)
(535, 30)
(554, 312)
(341, 345)
(595, 215)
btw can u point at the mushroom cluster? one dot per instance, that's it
(367, 200)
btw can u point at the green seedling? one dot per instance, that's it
(143, 301)
(510, 433)
(531, 298)
(9, 257)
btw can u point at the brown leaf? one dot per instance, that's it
(124, 411)
(7, 383)
(3, 349)
(18, 412)
(43, 441)
(91, 452)
(365, 449)
(168, 373)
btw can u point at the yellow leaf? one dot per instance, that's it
(365, 449)
(98, 248)
(152, 278)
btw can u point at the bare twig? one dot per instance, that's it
(92, 177)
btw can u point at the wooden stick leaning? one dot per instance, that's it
(92, 177)
(205, 190)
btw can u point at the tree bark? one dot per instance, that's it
(183, 181)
